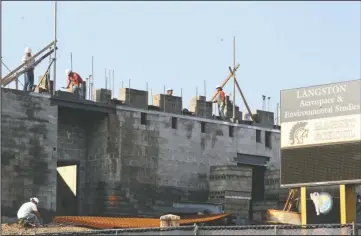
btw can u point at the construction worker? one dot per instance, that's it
(29, 70)
(170, 91)
(77, 83)
(28, 213)
(221, 101)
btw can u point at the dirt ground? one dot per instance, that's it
(16, 229)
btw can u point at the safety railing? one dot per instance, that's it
(325, 229)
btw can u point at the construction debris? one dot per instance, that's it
(17, 229)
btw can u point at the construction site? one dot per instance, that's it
(144, 162)
(107, 163)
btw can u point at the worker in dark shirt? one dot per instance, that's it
(78, 86)
(221, 101)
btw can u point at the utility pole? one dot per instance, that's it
(55, 39)
(234, 79)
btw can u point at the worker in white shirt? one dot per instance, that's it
(29, 70)
(29, 214)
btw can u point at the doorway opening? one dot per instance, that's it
(67, 188)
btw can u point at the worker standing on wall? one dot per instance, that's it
(77, 83)
(29, 70)
(170, 91)
(28, 213)
(221, 101)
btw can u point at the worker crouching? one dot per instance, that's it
(29, 70)
(221, 101)
(28, 214)
(78, 85)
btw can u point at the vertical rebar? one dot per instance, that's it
(151, 95)
(129, 90)
(110, 82)
(196, 108)
(146, 87)
(182, 100)
(55, 39)
(268, 105)
(106, 82)
(92, 81)
(71, 61)
(205, 100)
(164, 98)
(234, 78)
(113, 86)
(89, 90)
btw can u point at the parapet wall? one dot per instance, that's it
(198, 106)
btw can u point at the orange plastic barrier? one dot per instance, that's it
(120, 222)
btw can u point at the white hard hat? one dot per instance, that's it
(35, 200)
(67, 72)
(169, 89)
(218, 86)
(27, 50)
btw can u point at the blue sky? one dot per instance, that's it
(279, 45)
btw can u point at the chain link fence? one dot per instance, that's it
(328, 229)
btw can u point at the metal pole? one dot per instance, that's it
(182, 99)
(55, 39)
(205, 100)
(164, 98)
(234, 79)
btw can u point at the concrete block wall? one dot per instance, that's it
(28, 151)
(159, 165)
(130, 161)
(267, 118)
(201, 107)
(134, 98)
(102, 95)
(235, 179)
(167, 103)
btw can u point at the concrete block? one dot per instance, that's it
(134, 98)
(168, 103)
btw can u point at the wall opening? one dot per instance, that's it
(203, 127)
(267, 140)
(67, 188)
(174, 122)
(143, 118)
(258, 136)
(230, 131)
(258, 183)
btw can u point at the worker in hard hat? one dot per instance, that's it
(29, 70)
(77, 83)
(221, 101)
(28, 213)
(170, 91)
